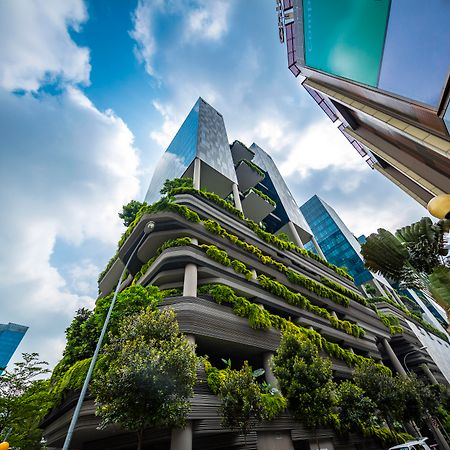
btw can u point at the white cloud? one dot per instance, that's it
(317, 147)
(68, 168)
(36, 45)
(209, 20)
(142, 33)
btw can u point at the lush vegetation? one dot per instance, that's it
(149, 374)
(244, 401)
(306, 380)
(414, 257)
(23, 402)
(130, 211)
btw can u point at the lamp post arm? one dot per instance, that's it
(76, 413)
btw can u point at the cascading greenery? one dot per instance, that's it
(252, 166)
(261, 318)
(427, 326)
(213, 227)
(262, 195)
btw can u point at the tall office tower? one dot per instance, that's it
(10, 336)
(224, 275)
(382, 68)
(338, 243)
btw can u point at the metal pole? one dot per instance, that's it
(409, 353)
(148, 229)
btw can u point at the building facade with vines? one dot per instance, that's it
(228, 253)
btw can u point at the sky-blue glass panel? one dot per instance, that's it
(178, 156)
(416, 54)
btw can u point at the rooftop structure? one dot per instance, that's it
(386, 79)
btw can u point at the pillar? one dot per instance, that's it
(190, 280)
(254, 274)
(333, 313)
(397, 298)
(393, 357)
(318, 249)
(379, 288)
(437, 434)
(181, 439)
(267, 363)
(294, 233)
(237, 197)
(428, 373)
(196, 176)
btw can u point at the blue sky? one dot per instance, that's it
(91, 93)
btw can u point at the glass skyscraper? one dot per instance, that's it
(337, 242)
(202, 135)
(10, 336)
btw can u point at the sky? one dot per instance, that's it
(91, 94)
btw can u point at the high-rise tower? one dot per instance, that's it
(10, 336)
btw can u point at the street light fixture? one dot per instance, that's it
(149, 227)
(411, 352)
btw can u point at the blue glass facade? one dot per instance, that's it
(10, 336)
(202, 135)
(338, 244)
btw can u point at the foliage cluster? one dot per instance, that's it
(24, 401)
(414, 257)
(389, 321)
(263, 196)
(244, 401)
(149, 373)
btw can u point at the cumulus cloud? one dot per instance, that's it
(36, 45)
(209, 20)
(68, 168)
(201, 20)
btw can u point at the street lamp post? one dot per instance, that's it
(149, 227)
(411, 352)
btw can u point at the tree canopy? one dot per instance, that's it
(149, 373)
(129, 211)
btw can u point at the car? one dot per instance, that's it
(413, 445)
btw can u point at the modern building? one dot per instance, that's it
(243, 226)
(11, 335)
(338, 243)
(385, 78)
(342, 248)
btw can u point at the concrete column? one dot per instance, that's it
(350, 349)
(428, 373)
(190, 338)
(254, 274)
(236, 197)
(397, 298)
(194, 241)
(378, 287)
(393, 357)
(295, 235)
(190, 280)
(182, 439)
(437, 434)
(267, 363)
(318, 249)
(196, 176)
(333, 313)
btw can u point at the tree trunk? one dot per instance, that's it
(140, 435)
